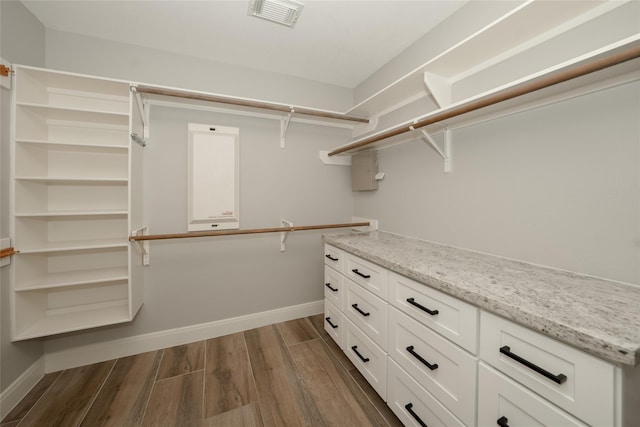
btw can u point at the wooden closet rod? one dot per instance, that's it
(579, 70)
(247, 103)
(7, 252)
(247, 231)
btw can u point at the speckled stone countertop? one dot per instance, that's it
(595, 315)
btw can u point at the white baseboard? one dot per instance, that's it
(18, 389)
(99, 352)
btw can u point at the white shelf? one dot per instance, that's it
(74, 245)
(85, 213)
(45, 114)
(611, 76)
(84, 317)
(38, 86)
(79, 146)
(72, 181)
(71, 204)
(530, 23)
(75, 278)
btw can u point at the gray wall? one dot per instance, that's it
(89, 55)
(21, 41)
(556, 185)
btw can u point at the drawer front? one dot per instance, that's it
(441, 367)
(333, 287)
(450, 317)
(579, 383)
(333, 322)
(412, 404)
(333, 257)
(372, 277)
(500, 398)
(366, 311)
(370, 359)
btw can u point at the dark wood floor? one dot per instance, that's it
(287, 374)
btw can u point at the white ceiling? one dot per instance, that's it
(338, 42)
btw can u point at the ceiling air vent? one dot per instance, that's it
(283, 12)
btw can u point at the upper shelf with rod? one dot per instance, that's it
(530, 23)
(618, 62)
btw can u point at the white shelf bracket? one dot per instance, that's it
(444, 152)
(284, 126)
(439, 87)
(144, 112)
(284, 234)
(142, 245)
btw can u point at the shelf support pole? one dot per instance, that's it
(284, 126)
(284, 234)
(144, 113)
(444, 152)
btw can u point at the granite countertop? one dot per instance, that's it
(597, 316)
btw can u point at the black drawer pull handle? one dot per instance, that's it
(413, 302)
(415, 416)
(503, 422)
(366, 276)
(355, 350)
(558, 379)
(331, 258)
(359, 310)
(328, 319)
(328, 285)
(433, 366)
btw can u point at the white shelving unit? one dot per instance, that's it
(73, 204)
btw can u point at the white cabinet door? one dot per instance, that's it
(577, 382)
(504, 402)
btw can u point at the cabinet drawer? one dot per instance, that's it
(366, 311)
(450, 317)
(412, 404)
(333, 322)
(333, 257)
(500, 398)
(333, 287)
(370, 359)
(372, 277)
(573, 380)
(441, 367)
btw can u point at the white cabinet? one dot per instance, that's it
(580, 384)
(412, 404)
(356, 313)
(504, 402)
(437, 360)
(448, 316)
(445, 370)
(73, 185)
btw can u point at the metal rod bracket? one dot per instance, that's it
(137, 139)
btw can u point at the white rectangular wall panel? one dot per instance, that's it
(213, 177)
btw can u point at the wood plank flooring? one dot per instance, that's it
(287, 374)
